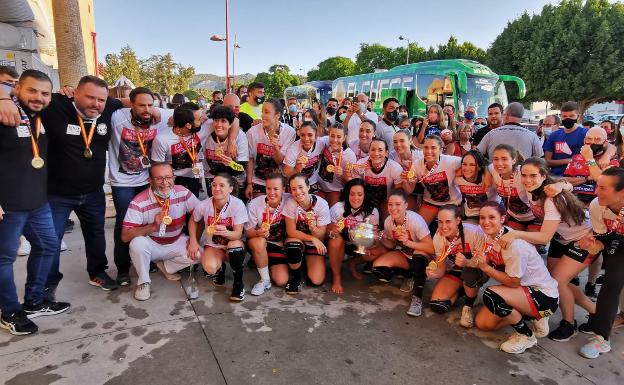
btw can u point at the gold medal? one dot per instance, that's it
(304, 160)
(219, 151)
(145, 161)
(37, 162)
(88, 153)
(167, 220)
(310, 215)
(340, 225)
(411, 174)
(210, 230)
(265, 227)
(330, 168)
(433, 265)
(195, 170)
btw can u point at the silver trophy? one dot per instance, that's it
(362, 236)
(192, 290)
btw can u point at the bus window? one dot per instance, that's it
(433, 89)
(366, 88)
(481, 92)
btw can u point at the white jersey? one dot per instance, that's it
(232, 213)
(328, 181)
(310, 170)
(213, 164)
(439, 182)
(379, 184)
(257, 212)
(474, 195)
(474, 239)
(168, 147)
(354, 145)
(261, 151)
(523, 261)
(547, 211)
(407, 164)
(514, 195)
(353, 218)
(124, 150)
(353, 129)
(416, 226)
(320, 209)
(386, 132)
(604, 220)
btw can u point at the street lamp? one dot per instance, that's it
(234, 60)
(227, 47)
(408, 44)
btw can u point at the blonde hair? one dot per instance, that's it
(441, 120)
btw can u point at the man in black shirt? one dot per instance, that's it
(494, 120)
(24, 208)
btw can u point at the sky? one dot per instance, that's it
(299, 34)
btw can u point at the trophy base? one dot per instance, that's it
(360, 250)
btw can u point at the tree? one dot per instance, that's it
(374, 56)
(276, 80)
(125, 63)
(332, 68)
(571, 51)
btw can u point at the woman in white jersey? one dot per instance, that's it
(526, 289)
(564, 222)
(361, 145)
(222, 217)
(307, 216)
(303, 156)
(475, 184)
(352, 209)
(407, 155)
(335, 158)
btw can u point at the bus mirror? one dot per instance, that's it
(462, 81)
(519, 82)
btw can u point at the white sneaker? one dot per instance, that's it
(260, 287)
(142, 292)
(518, 343)
(540, 327)
(415, 309)
(466, 320)
(169, 276)
(63, 245)
(24, 247)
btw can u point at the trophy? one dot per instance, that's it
(192, 290)
(362, 236)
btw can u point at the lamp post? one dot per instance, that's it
(408, 44)
(227, 47)
(234, 61)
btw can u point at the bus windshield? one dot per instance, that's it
(480, 93)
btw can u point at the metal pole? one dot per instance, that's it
(408, 43)
(227, 49)
(233, 62)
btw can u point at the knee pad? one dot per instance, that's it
(294, 252)
(440, 306)
(236, 256)
(496, 304)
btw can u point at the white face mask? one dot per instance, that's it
(342, 117)
(362, 107)
(546, 130)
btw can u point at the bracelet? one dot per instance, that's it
(592, 162)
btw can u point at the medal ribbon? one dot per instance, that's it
(141, 142)
(34, 141)
(339, 159)
(87, 138)
(432, 170)
(214, 208)
(190, 151)
(448, 250)
(489, 246)
(271, 218)
(164, 205)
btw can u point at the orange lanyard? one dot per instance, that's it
(214, 209)
(87, 138)
(339, 158)
(141, 141)
(164, 204)
(35, 141)
(190, 151)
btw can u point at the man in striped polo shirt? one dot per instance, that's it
(153, 226)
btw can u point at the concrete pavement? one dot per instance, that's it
(362, 337)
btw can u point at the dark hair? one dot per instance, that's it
(367, 205)
(569, 106)
(9, 70)
(480, 161)
(591, 124)
(240, 87)
(252, 86)
(369, 122)
(332, 100)
(35, 74)
(437, 139)
(182, 116)
(139, 91)
(515, 154)
(340, 126)
(388, 101)
(619, 140)
(609, 122)
(572, 210)
(312, 125)
(92, 79)
(277, 105)
(215, 92)
(375, 139)
(299, 175)
(231, 181)
(189, 106)
(496, 105)
(158, 164)
(222, 112)
(457, 212)
(500, 209)
(618, 173)
(453, 107)
(399, 193)
(276, 175)
(315, 116)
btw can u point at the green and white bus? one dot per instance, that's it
(457, 82)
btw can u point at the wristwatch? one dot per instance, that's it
(591, 162)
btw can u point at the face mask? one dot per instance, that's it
(156, 103)
(362, 107)
(292, 108)
(546, 130)
(568, 123)
(8, 88)
(469, 115)
(342, 117)
(161, 195)
(259, 99)
(597, 149)
(331, 110)
(479, 126)
(403, 114)
(392, 115)
(307, 119)
(201, 103)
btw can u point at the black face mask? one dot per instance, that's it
(392, 115)
(140, 121)
(597, 149)
(331, 110)
(259, 99)
(194, 129)
(568, 123)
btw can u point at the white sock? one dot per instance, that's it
(264, 273)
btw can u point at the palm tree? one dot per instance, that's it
(69, 43)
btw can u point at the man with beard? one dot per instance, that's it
(153, 227)
(251, 111)
(24, 208)
(182, 146)
(134, 131)
(494, 120)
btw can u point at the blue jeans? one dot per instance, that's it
(37, 227)
(122, 196)
(90, 209)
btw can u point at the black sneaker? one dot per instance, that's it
(49, 294)
(293, 287)
(590, 290)
(383, 273)
(104, 282)
(153, 268)
(123, 279)
(564, 332)
(600, 280)
(368, 268)
(69, 226)
(18, 324)
(219, 278)
(541, 249)
(238, 292)
(575, 281)
(45, 308)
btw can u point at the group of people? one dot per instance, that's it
(469, 214)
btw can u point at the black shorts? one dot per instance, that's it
(557, 250)
(541, 305)
(469, 276)
(276, 254)
(258, 188)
